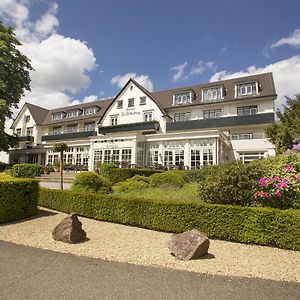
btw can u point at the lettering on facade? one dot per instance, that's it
(130, 111)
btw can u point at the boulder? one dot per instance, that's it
(69, 230)
(188, 245)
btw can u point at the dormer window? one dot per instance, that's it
(246, 89)
(182, 98)
(131, 102)
(57, 116)
(119, 104)
(72, 114)
(89, 111)
(212, 94)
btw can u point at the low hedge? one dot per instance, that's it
(27, 170)
(263, 226)
(116, 175)
(18, 198)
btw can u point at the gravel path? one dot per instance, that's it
(138, 246)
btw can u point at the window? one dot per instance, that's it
(18, 131)
(72, 128)
(246, 157)
(72, 114)
(212, 94)
(126, 155)
(89, 110)
(168, 158)
(29, 131)
(115, 155)
(247, 110)
(113, 120)
(89, 126)
(148, 116)
(182, 98)
(131, 102)
(181, 117)
(195, 158)
(212, 114)
(142, 100)
(57, 130)
(27, 119)
(152, 157)
(57, 116)
(97, 158)
(207, 157)
(246, 89)
(120, 104)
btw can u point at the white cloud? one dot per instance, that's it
(179, 71)
(286, 76)
(86, 99)
(143, 80)
(203, 66)
(61, 63)
(292, 40)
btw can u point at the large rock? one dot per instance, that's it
(69, 230)
(188, 245)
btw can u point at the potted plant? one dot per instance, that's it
(46, 170)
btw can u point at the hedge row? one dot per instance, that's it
(116, 175)
(27, 170)
(18, 199)
(261, 226)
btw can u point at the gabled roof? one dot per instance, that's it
(38, 113)
(140, 87)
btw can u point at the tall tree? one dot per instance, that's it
(14, 80)
(283, 134)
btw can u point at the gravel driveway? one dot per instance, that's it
(114, 242)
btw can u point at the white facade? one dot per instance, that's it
(187, 128)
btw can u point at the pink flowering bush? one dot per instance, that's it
(282, 188)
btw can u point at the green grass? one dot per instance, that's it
(188, 193)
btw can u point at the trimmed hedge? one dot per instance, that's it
(116, 175)
(18, 198)
(27, 170)
(263, 226)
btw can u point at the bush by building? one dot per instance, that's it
(91, 182)
(27, 170)
(168, 179)
(18, 198)
(136, 182)
(263, 226)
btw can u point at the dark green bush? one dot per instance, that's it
(3, 166)
(263, 226)
(27, 170)
(168, 178)
(18, 198)
(115, 174)
(233, 183)
(197, 175)
(91, 182)
(134, 183)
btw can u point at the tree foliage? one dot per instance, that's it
(284, 133)
(14, 80)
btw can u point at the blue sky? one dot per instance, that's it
(83, 50)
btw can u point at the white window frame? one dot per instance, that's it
(29, 131)
(56, 129)
(246, 157)
(131, 102)
(148, 116)
(72, 114)
(182, 117)
(207, 94)
(143, 100)
(72, 128)
(57, 116)
(119, 104)
(216, 112)
(182, 98)
(253, 110)
(91, 110)
(114, 120)
(90, 126)
(18, 131)
(248, 89)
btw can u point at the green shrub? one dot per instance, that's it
(27, 170)
(263, 226)
(18, 198)
(168, 178)
(136, 182)
(233, 183)
(197, 175)
(115, 174)
(91, 182)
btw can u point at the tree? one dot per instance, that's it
(283, 134)
(60, 147)
(14, 80)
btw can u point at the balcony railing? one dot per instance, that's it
(68, 135)
(25, 138)
(141, 126)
